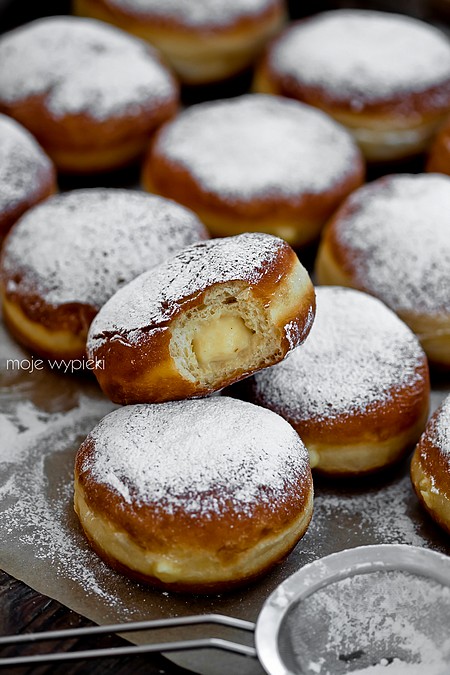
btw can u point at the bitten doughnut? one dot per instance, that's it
(193, 496)
(357, 391)
(392, 239)
(65, 258)
(91, 94)
(211, 315)
(204, 40)
(384, 76)
(439, 156)
(255, 163)
(27, 175)
(430, 466)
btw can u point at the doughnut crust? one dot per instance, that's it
(206, 318)
(163, 495)
(430, 467)
(27, 176)
(66, 257)
(357, 392)
(439, 156)
(204, 41)
(91, 94)
(385, 76)
(255, 163)
(391, 239)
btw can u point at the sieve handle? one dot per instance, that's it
(180, 645)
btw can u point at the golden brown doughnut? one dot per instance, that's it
(357, 392)
(27, 176)
(430, 466)
(391, 239)
(439, 156)
(255, 163)
(203, 40)
(65, 258)
(91, 94)
(385, 76)
(195, 496)
(208, 317)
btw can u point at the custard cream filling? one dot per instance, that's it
(221, 339)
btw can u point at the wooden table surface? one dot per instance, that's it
(23, 610)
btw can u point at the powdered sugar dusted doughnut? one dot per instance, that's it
(255, 163)
(89, 93)
(392, 239)
(205, 40)
(164, 495)
(385, 76)
(66, 257)
(27, 175)
(209, 316)
(430, 466)
(357, 392)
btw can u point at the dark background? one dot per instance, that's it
(15, 12)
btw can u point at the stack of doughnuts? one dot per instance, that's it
(386, 77)
(200, 495)
(65, 258)
(204, 40)
(91, 94)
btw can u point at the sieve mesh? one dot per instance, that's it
(387, 622)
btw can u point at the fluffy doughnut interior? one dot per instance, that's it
(231, 331)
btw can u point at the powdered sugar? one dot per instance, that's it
(364, 56)
(84, 245)
(383, 514)
(259, 146)
(82, 66)
(373, 622)
(396, 233)
(149, 302)
(357, 356)
(42, 542)
(36, 441)
(442, 429)
(438, 432)
(201, 13)
(199, 456)
(22, 165)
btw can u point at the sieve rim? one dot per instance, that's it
(335, 567)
